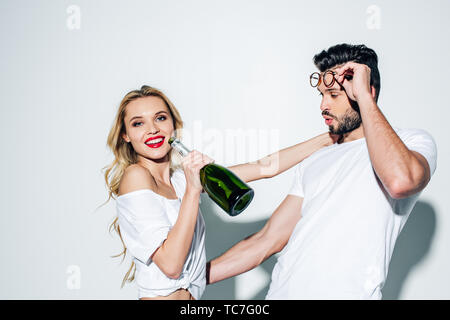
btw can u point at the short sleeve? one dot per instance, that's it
(422, 142)
(143, 223)
(296, 187)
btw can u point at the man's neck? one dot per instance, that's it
(356, 134)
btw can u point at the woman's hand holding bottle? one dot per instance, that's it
(192, 164)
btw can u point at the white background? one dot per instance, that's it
(229, 66)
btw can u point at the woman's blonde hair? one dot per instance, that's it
(124, 155)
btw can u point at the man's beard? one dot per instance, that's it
(350, 121)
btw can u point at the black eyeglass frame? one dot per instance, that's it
(315, 75)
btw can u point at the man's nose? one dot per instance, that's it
(323, 105)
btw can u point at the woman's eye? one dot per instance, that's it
(161, 118)
(137, 124)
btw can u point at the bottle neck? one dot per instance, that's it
(180, 147)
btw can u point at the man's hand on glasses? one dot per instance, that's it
(358, 87)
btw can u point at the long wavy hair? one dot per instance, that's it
(125, 155)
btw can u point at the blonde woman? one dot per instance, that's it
(158, 217)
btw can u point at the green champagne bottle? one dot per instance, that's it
(223, 186)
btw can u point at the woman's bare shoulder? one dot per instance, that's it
(135, 178)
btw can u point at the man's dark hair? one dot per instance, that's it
(343, 53)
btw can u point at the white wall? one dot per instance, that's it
(228, 66)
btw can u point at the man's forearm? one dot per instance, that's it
(395, 165)
(242, 257)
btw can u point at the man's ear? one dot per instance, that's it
(373, 91)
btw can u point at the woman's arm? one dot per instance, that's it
(282, 160)
(171, 255)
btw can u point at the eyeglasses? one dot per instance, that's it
(315, 79)
(328, 78)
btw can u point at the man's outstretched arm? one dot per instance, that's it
(252, 251)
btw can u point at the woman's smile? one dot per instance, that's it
(155, 142)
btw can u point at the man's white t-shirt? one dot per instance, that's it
(342, 245)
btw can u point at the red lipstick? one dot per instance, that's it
(158, 144)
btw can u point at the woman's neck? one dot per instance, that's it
(159, 169)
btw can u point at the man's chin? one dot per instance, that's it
(338, 131)
(332, 130)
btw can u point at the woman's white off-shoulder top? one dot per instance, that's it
(145, 219)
